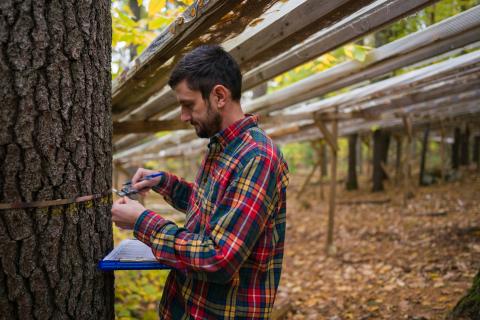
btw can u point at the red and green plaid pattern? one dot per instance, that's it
(228, 258)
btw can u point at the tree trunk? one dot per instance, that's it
(55, 143)
(423, 158)
(352, 163)
(380, 151)
(456, 149)
(465, 147)
(469, 306)
(476, 149)
(476, 152)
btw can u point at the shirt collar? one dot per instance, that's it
(225, 136)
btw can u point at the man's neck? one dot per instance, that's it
(234, 114)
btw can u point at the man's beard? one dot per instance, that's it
(211, 126)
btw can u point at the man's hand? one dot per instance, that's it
(125, 212)
(144, 187)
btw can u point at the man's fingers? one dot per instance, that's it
(142, 185)
(137, 176)
(119, 201)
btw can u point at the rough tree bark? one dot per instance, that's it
(55, 143)
(352, 183)
(469, 306)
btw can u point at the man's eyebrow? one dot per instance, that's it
(185, 101)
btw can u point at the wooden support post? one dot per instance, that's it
(319, 148)
(352, 183)
(330, 248)
(324, 165)
(407, 193)
(322, 156)
(423, 159)
(307, 180)
(329, 137)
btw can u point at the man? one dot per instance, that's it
(228, 258)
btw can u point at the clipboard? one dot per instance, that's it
(131, 254)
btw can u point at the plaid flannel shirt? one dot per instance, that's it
(228, 258)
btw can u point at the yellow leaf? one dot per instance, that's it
(158, 23)
(348, 49)
(155, 6)
(328, 58)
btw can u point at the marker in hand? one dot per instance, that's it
(128, 190)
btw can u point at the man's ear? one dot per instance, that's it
(221, 94)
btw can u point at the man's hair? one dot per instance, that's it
(205, 67)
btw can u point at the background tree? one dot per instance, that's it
(55, 143)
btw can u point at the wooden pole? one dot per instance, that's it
(407, 194)
(324, 166)
(330, 248)
(352, 183)
(323, 161)
(319, 148)
(423, 158)
(307, 180)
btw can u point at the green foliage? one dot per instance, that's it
(137, 292)
(132, 33)
(298, 155)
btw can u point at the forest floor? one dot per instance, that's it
(391, 261)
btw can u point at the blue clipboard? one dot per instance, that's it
(131, 254)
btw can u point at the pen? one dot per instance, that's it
(127, 189)
(149, 177)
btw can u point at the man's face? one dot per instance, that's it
(200, 113)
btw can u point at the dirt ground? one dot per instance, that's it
(391, 261)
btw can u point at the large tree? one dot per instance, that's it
(55, 143)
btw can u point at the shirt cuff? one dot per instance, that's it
(164, 184)
(147, 223)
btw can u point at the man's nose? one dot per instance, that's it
(185, 116)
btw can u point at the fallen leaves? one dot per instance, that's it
(391, 262)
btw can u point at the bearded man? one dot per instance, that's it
(227, 259)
